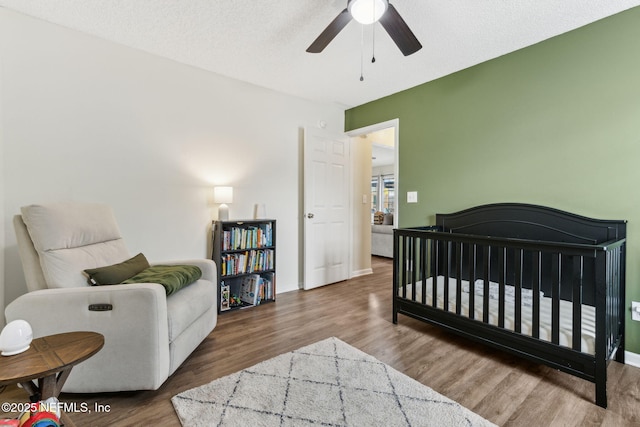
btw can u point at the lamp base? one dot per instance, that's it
(14, 352)
(223, 212)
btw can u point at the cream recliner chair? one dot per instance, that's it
(147, 334)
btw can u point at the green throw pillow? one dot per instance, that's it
(117, 273)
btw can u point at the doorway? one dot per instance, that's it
(375, 158)
(357, 190)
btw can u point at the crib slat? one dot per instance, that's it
(502, 269)
(555, 295)
(485, 295)
(409, 267)
(576, 298)
(412, 264)
(394, 299)
(397, 263)
(404, 266)
(423, 268)
(447, 260)
(518, 288)
(459, 278)
(472, 280)
(435, 270)
(536, 278)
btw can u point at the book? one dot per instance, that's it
(250, 289)
(224, 297)
(268, 285)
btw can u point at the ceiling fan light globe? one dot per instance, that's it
(367, 11)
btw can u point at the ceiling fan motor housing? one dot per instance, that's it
(367, 11)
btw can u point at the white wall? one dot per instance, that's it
(2, 251)
(89, 120)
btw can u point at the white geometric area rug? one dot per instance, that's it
(328, 383)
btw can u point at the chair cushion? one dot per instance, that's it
(72, 237)
(186, 306)
(69, 225)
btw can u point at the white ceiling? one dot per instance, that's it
(263, 41)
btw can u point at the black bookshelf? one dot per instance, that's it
(245, 255)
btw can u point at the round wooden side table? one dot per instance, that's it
(49, 361)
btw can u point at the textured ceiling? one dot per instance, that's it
(263, 42)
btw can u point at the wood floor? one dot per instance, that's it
(502, 388)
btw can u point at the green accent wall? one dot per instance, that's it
(555, 124)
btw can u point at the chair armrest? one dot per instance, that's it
(136, 349)
(207, 266)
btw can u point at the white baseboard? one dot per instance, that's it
(359, 273)
(356, 273)
(632, 359)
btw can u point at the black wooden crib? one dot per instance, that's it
(538, 282)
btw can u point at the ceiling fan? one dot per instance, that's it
(369, 12)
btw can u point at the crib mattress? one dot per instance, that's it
(566, 311)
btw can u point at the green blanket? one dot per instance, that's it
(172, 277)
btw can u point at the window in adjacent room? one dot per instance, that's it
(382, 194)
(374, 194)
(388, 193)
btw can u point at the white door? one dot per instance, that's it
(326, 208)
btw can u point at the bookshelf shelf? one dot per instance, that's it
(245, 255)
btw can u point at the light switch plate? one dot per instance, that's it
(412, 197)
(635, 310)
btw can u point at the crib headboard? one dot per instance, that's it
(533, 222)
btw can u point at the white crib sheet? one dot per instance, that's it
(566, 313)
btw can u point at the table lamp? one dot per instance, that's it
(223, 195)
(15, 337)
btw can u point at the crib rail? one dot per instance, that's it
(581, 274)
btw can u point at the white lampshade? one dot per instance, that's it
(223, 194)
(367, 11)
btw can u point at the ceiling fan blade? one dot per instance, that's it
(330, 32)
(400, 32)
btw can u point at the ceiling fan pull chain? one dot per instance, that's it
(373, 30)
(362, 54)
(373, 53)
